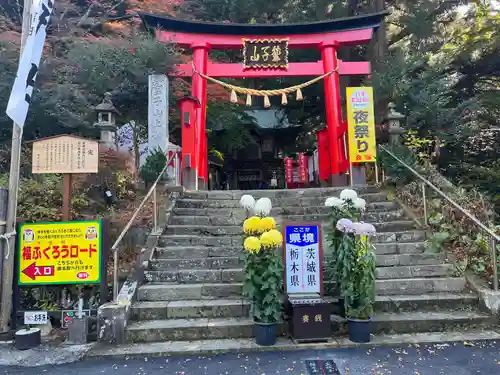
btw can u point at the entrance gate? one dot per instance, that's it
(326, 36)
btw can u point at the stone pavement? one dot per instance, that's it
(458, 358)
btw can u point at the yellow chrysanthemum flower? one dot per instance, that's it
(271, 239)
(267, 223)
(252, 225)
(252, 245)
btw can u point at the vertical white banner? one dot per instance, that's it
(22, 90)
(158, 113)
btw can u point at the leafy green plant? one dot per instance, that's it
(395, 171)
(263, 285)
(358, 276)
(155, 162)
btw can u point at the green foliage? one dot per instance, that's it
(155, 162)
(395, 172)
(334, 239)
(357, 281)
(263, 285)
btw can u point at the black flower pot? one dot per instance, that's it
(359, 330)
(265, 333)
(27, 338)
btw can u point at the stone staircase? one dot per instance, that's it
(193, 289)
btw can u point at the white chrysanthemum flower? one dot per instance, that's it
(348, 195)
(263, 207)
(334, 202)
(247, 202)
(359, 203)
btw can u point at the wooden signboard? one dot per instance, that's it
(65, 154)
(265, 53)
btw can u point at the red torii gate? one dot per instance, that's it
(327, 36)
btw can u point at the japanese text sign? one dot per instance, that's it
(65, 154)
(265, 53)
(60, 253)
(361, 125)
(303, 173)
(289, 170)
(303, 259)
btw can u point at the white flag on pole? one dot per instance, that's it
(22, 91)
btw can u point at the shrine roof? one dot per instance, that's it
(366, 21)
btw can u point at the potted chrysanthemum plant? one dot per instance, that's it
(263, 282)
(348, 206)
(357, 279)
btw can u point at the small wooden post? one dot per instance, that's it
(66, 210)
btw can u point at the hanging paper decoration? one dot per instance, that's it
(234, 97)
(284, 100)
(299, 95)
(297, 89)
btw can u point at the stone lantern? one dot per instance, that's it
(106, 121)
(394, 122)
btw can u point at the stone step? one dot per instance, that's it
(233, 275)
(194, 252)
(406, 272)
(197, 240)
(181, 292)
(194, 276)
(409, 260)
(276, 202)
(235, 308)
(217, 241)
(429, 321)
(392, 248)
(222, 308)
(282, 193)
(219, 220)
(233, 230)
(196, 263)
(371, 208)
(189, 329)
(238, 327)
(427, 302)
(418, 286)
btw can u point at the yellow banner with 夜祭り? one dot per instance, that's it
(361, 125)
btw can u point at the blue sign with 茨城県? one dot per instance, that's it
(301, 235)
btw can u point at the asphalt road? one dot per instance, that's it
(459, 358)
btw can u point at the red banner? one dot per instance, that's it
(289, 170)
(323, 155)
(303, 175)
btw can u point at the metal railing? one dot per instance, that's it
(494, 238)
(152, 191)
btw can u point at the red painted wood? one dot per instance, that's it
(188, 105)
(344, 38)
(199, 91)
(219, 70)
(333, 106)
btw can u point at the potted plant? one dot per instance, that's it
(349, 206)
(357, 281)
(263, 283)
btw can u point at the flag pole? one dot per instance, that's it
(9, 252)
